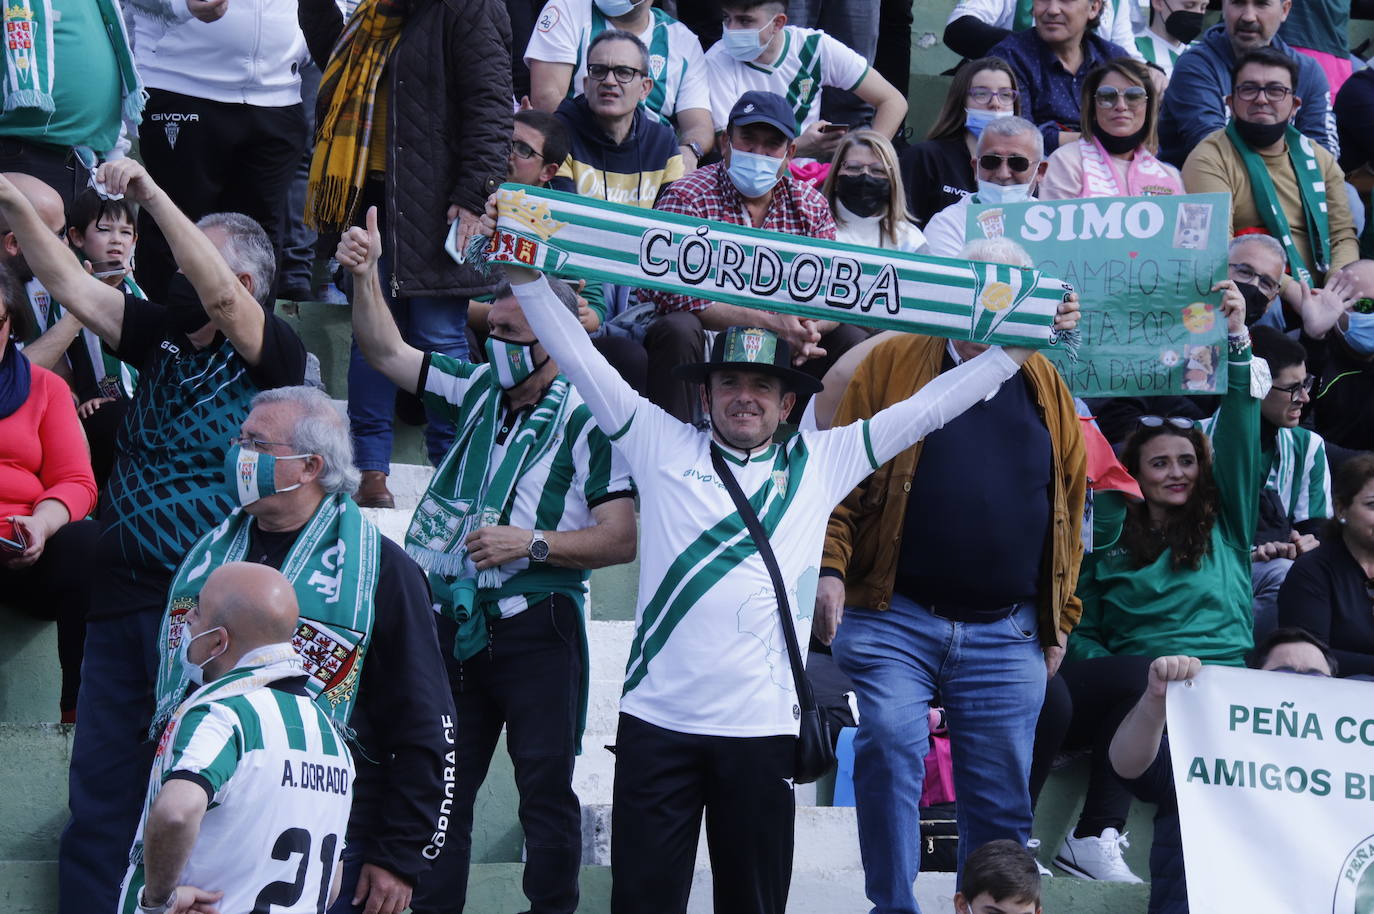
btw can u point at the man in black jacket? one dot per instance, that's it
(440, 139)
(402, 713)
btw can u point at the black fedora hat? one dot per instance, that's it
(751, 349)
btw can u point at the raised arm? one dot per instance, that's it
(889, 105)
(98, 306)
(230, 305)
(373, 326)
(1137, 739)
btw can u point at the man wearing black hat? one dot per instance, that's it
(709, 712)
(750, 186)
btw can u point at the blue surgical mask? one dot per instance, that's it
(752, 174)
(614, 8)
(997, 193)
(743, 44)
(975, 119)
(1360, 333)
(195, 672)
(512, 361)
(251, 475)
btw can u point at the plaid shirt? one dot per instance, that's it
(707, 193)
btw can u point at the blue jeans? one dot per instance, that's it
(428, 324)
(111, 758)
(991, 680)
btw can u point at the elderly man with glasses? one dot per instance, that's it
(1009, 163)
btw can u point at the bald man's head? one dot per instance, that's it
(48, 203)
(255, 604)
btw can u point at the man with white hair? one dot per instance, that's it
(366, 634)
(913, 606)
(200, 360)
(1009, 162)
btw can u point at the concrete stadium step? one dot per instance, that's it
(30, 678)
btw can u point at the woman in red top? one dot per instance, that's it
(46, 488)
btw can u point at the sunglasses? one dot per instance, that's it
(599, 71)
(992, 162)
(1107, 96)
(1158, 421)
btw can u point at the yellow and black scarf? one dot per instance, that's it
(348, 97)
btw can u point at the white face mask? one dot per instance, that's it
(195, 672)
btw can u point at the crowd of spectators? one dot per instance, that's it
(165, 165)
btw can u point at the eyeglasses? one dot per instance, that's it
(524, 150)
(1363, 306)
(255, 444)
(982, 96)
(599, 72)
(1293, 390)
(1107, 96)
(1243, 272)
(873, 171)
(1158, 421)
(1274, 92)
(992, 162)
(1289, 669)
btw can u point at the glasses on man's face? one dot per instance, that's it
(254, 444)
(1274, 92)
(1363, 306)
(599, 71)
(1243, 272)
(1158, 421)
(524, 150)
(982, 95)
(854, 170)
(1293, 669)
(1296, 390)
(1108, 96)
(992, 162)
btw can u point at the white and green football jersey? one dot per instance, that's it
(809, 60)
(279, 785)
(565, 28)
(1158, 51)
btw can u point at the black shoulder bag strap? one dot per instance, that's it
(815, 750)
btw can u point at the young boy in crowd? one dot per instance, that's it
(104, 233)
(999, 878)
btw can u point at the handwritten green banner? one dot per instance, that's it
(1143, 268)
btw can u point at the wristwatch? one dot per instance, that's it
(146, 908)
(539, 547)
(696, 149)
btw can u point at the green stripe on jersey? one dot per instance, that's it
(250, 724)
(807, 83)
(328, 744)
(291, 719)
(553, 500)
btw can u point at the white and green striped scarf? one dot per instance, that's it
(807, 277)
(30, 70)
(332, 566)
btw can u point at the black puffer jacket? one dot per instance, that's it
(449, 128)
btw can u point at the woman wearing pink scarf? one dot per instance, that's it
(1115, 156)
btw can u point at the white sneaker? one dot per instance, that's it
(1033, 845)
(1096, 858)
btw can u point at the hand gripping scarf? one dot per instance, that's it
(1312, 190)
(332, 566)
(807, 277)
(348, 97)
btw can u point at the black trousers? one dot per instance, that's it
(663, 782)
(215, 157)
(1084, 713)
(58, 586)
(527, 680)
(53, 165)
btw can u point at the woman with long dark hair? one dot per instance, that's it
(939, 171)
(1176, 581)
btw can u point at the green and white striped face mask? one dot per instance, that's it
(512, 361)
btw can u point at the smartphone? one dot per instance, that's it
(18, 544)
(107, 269)
(834, 128)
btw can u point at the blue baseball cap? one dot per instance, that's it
(759, 107)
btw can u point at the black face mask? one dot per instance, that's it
(863, 195)
(1184, 25)
(1260, 136)
(1120, 145)
(1256, 302)
(186, 312)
